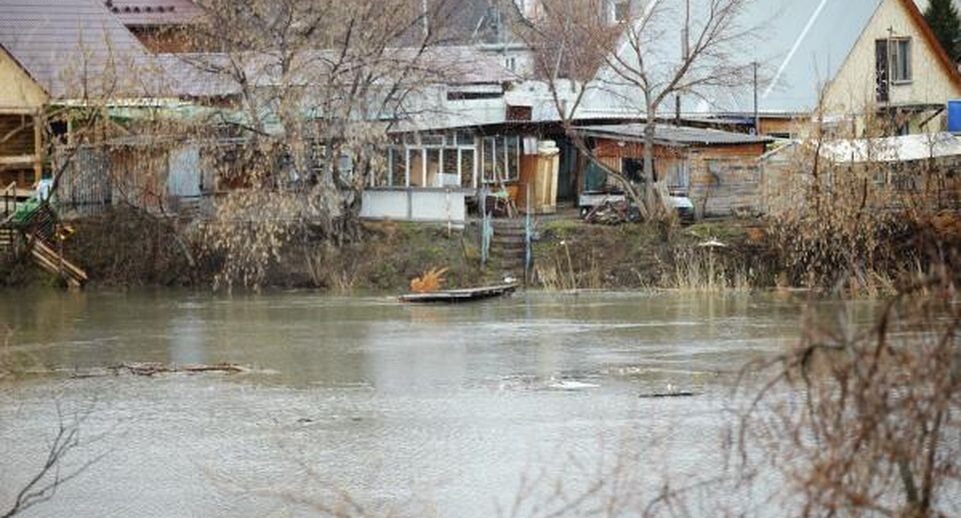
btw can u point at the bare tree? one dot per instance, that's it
(874, 428)
(313, 90)
(44, 483)
(575, 51)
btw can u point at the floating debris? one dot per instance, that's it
(658, 395)
(150, 369)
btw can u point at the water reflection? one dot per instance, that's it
(454, 401)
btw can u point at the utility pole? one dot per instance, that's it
(426, 18)
(685, 55)
(757, 112)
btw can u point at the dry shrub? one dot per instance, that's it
(866, 421)
(841, 226)
(699, 269)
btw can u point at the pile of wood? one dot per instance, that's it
(612, 213)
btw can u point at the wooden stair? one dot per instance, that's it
(8, 240)
(39, 230)
(55, 263)
(508, 244)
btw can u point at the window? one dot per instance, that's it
(501, 159)
(519, 113)
(432, 166)
(892, 65)
(467, 172)
(398, 168)
(488, 154)
(633, 169)
(900, 60)
(431, 160)
(459, 95)
(512, 145)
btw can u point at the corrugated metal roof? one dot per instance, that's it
(62, 42)
(798, 45)
(674, 135)
(154, 12)
(805, 43)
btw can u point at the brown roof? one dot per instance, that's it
(74, 47)
(154, 12)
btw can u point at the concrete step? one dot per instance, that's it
(512, 259)
(509, 240)
(510, 232)
(508, 224)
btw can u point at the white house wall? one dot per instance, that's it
(419, 205)
(854, 86)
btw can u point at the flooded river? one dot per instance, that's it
(362, 404)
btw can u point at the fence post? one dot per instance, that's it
(487, 229)
(528, 238)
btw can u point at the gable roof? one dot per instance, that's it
(807, 44)
(942, 54)
(142, 13)
(60, 42)
(798, 45)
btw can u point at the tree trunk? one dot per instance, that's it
(650, 192)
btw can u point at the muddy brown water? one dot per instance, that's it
(365, 405)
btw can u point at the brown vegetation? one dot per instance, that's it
(875, 426)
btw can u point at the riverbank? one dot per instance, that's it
(122, 248)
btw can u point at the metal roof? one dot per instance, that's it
(154, 12)
(58, 41)
(674, 135)
(905, 148)
(197, 74)
(805, 43)
(798, 44)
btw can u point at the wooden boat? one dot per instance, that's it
(464, 295)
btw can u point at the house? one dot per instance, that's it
(52, 51)
(841, 60)
(876, 57)
(717, 170)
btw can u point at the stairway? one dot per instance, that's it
(508, 245)
(55, 263)
(8, 242)
(39, 228)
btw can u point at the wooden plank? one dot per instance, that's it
(55, 258)
(19, 160)
(17, 111)
(37, 149)
(464, 295)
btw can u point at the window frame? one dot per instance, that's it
(901, 67)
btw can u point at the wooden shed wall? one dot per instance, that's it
(720, 180)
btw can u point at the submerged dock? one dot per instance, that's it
(459, 296)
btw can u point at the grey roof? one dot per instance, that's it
(803, 44)
(674, 135)
(154, 12)
(466, 22)
(798, 45)
(58, 41)
(209, 74)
